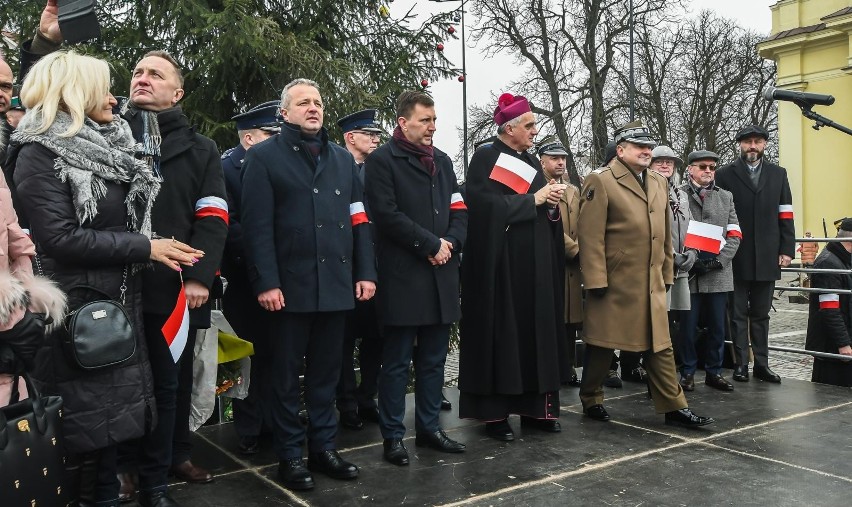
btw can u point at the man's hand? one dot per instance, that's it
(48, 25)
(845, 351)
(271, 300)
(550, 193)
(365, 290)
(196, 293)
(443, 255)
(784, 260)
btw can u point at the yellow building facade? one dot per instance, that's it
(811, 43)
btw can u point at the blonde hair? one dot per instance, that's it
(64, 81)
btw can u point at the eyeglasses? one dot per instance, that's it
(371, 135)
(704, 167)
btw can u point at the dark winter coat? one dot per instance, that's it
(766, 218)
(411, 211)
(106, 406)
(512, 329)
(297, 220)
(192, 175)
(830, 316)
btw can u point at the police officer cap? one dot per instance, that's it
(362, 120)
(608, 153)
(263, 117)
(555, 149)
(752, 130)
(16, 104)
(484, 142)
(636, 133)
(701, 155)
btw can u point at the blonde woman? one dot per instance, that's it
(88, 202)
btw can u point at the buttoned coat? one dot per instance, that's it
(767, 233)
(569, 208)
(297, 223)
(626, 246)
(411, 211)
(717, 208)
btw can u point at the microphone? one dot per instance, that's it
(801, 99)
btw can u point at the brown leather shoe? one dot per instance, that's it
(129, 482)
(188, 472)
(687, 382)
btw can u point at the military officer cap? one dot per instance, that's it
(701, 155)
(16, 104)
(555, 149)
(263, 117)
(636, 133)
(844, 224)
(750, 131)
(362, 120)
(663, 151)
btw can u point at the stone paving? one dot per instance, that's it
(788, 324)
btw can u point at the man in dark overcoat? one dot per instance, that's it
(310, 255)
(830, 313)
(239, 304)
(512, 330)
(356, 401)
(764, 206)
(420, 221)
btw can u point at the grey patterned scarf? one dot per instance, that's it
(95, 155)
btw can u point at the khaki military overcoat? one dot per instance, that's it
(569, 208)
(626, 243)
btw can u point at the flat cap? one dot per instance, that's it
(362, 120)
(664, 151)
(634, 132)
(263, 117)
(844, 224)
(701, 155)
(752, 130)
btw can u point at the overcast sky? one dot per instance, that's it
(490, 76)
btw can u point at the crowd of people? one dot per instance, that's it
(373, 247)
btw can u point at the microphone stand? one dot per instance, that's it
(821, 121)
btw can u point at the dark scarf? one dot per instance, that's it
(838, 250)
(314, 144)
(425, 154)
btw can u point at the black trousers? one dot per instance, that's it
(313, 342)
(151, 455)
(92, 478)
(362, 323)
(750, 303)
(399, 350)
(251, 323)
(181, 442)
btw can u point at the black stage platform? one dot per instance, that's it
(771, 445)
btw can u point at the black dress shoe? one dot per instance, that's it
(438, 441)
(718, 382)
(156, 499)
(369, 414)
(331, 464)
(741, 373)
(445, 403)
(637, 374)
(500, 430)
(686, 419)
(351, 420)
(687, 382)
(248, 446)
(294, 475)
(767, 375)
(549, 425)
(597, 412)
(395, 452)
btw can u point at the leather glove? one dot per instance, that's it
(26, 337)
(698, 269)
(712, 264)
(599, 292)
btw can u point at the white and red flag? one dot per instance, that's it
(829, 301)
(457, 202)
(176, 328)
(785, 212)
(357, 213)
(513, 172)
(705, 237)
